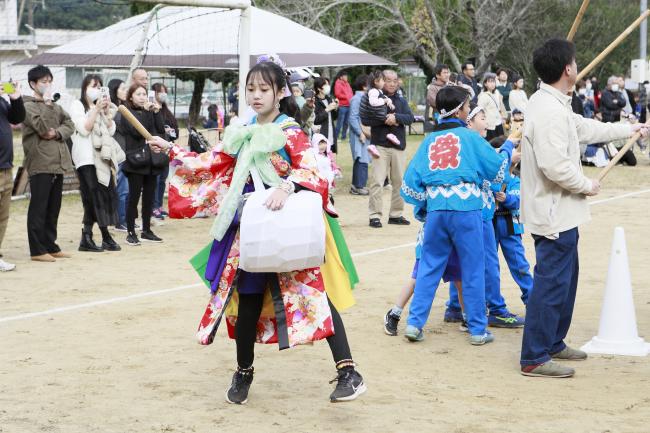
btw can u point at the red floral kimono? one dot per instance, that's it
(197, 187)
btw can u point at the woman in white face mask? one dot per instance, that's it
(171, 131)
(325, 110)
(96, 156)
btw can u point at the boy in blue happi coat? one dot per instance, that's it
(508, 230)
(443, 182)
(499, 315)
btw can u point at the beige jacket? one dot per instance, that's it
(492, 104)
(553, 186)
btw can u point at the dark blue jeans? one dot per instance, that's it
(161, 183)
(342, 122)
(550, 305)
(359, 174)
(122, 195)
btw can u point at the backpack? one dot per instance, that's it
(197, 141)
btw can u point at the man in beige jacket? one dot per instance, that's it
(554, 203)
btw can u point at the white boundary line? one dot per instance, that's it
(191, 286)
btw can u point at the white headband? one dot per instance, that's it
(474, 112)
(444, 113)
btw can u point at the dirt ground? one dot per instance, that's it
(133, 365)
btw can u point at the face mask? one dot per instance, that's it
(92, 93)
(43, 88)
(162, 97)
(615, 88)
(582, 91)
(588, 84)
(326, 89)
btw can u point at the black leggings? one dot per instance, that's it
(250, 308)
(146, 184)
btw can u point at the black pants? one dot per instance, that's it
(99, 201)
(43, 213)
(146, 184)
(250, 308)
(494, 133)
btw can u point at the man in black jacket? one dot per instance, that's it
(612, 101)
(468, 77)
(11, 112)
(392, 160)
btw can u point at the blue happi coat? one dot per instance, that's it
(449, 167)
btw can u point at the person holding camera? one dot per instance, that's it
(141, 166)
(46, 128)
(96, 157)
(12, 112)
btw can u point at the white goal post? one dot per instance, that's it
(244, 34)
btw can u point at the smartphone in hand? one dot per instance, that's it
(152, 96)
(8, 88)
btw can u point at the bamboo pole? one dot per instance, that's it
(578, 20)
(613, 45)
(134, 122)
(618, 156)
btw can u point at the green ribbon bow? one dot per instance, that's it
(251, 145)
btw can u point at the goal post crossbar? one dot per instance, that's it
(244, 35)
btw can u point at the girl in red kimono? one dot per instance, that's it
(309, 314)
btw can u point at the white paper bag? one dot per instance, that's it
(289, 239)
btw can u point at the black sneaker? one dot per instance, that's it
(132, 239)
(391, 321)
(350, 385)
(241, 382)
(150, 237)
(120, 228)
(375, 223)
(399, 221)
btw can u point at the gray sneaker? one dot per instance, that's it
(480, 340)
(413, 334)
(548, 369)
(570, 354)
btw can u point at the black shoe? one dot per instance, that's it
(150, 237)
(399, 221)
(241, 383)
(132, 239)
(350, 385)
(87, 244)
(109, 244)
(120, 228)
(390, 323)
(375, 222)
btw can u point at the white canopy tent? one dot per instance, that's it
(205, 39)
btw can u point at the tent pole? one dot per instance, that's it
(137, 58)
(244, 57)
(175, 92)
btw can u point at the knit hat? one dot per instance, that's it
(489, 75)
(315, 142)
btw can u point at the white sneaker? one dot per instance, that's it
(6, 267)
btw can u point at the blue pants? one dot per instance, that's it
(359, 174)
(495, 302)
(161, 183)
(515, 255)
(442, 231)
(550, 306)
(122, 195)
(342, 122)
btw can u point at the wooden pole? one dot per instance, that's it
(613, 45)
(134, 122)
(618, 156)
(578, 20)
